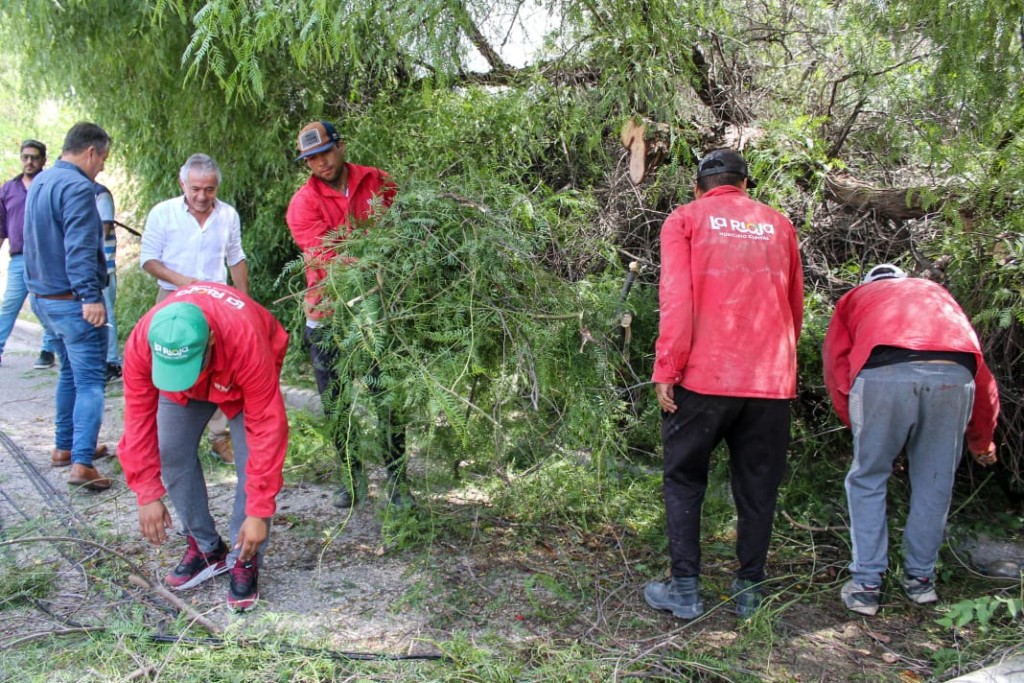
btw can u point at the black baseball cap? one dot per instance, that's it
(724, 161)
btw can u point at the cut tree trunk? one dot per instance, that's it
(647, 145)
(895, 203)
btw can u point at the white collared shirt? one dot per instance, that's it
(174, 237)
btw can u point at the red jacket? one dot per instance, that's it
(243, 375)
(911, 314)
(320, 218)
(731, 298)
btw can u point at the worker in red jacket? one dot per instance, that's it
(333, 206)
(905, 372)
(206, 346)
(731, 297)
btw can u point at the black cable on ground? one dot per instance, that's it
(76, 525)
(58, 503)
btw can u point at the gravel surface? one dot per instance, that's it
(325, 575)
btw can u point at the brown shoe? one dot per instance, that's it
(62, 458)
(224, 450)
(87, 478)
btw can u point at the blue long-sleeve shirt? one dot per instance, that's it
(64, 235)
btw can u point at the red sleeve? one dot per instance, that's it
(982, 425)
(309, 225)
(675, 295)
(266, 423)
(836, 356)
(139, 449)
(796, 288)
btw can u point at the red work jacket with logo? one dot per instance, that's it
(242, 375)
(321, 218)
(908, 313)
(731, 298)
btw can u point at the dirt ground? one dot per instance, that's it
(344, 587)
(329, 579)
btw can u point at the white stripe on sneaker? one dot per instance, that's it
(208, 573)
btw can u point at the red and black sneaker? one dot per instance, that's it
(243, 592)
(197, 566)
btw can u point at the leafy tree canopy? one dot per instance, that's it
(889, 129)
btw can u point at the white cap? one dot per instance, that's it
(884, 271)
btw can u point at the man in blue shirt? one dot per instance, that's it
(66, 271)
(12, 227)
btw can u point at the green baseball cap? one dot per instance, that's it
(178, 334)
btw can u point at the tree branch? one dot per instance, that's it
(481, 43)
(179, 604)
(136, 578)
(833, 151)
(44, 634)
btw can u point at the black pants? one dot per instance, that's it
(756, 430)
(328, 384)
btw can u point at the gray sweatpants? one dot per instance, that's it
(179, 429)
(923, 407)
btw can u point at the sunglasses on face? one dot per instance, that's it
(31, 157)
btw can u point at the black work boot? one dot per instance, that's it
(398, 490)
(352, 490)
(679, 595)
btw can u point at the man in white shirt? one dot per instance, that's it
(196, 237)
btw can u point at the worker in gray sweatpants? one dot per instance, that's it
(906, 373)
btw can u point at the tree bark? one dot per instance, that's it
(900, 203)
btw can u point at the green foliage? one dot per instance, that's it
(559, 492)
(21, 118)
(132, 84)
(981, 611)
(451, 314)
(136, 294)
(23, 583)
(310, 449)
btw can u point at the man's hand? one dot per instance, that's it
(94, 314)
(154, 520)
(666, 396)
(987, 457)
(251, 536)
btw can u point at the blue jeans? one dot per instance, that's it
(83, 371)
(14, 299)
(923, 408)
(109, 299)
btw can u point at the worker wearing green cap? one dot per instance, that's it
(206, 346)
